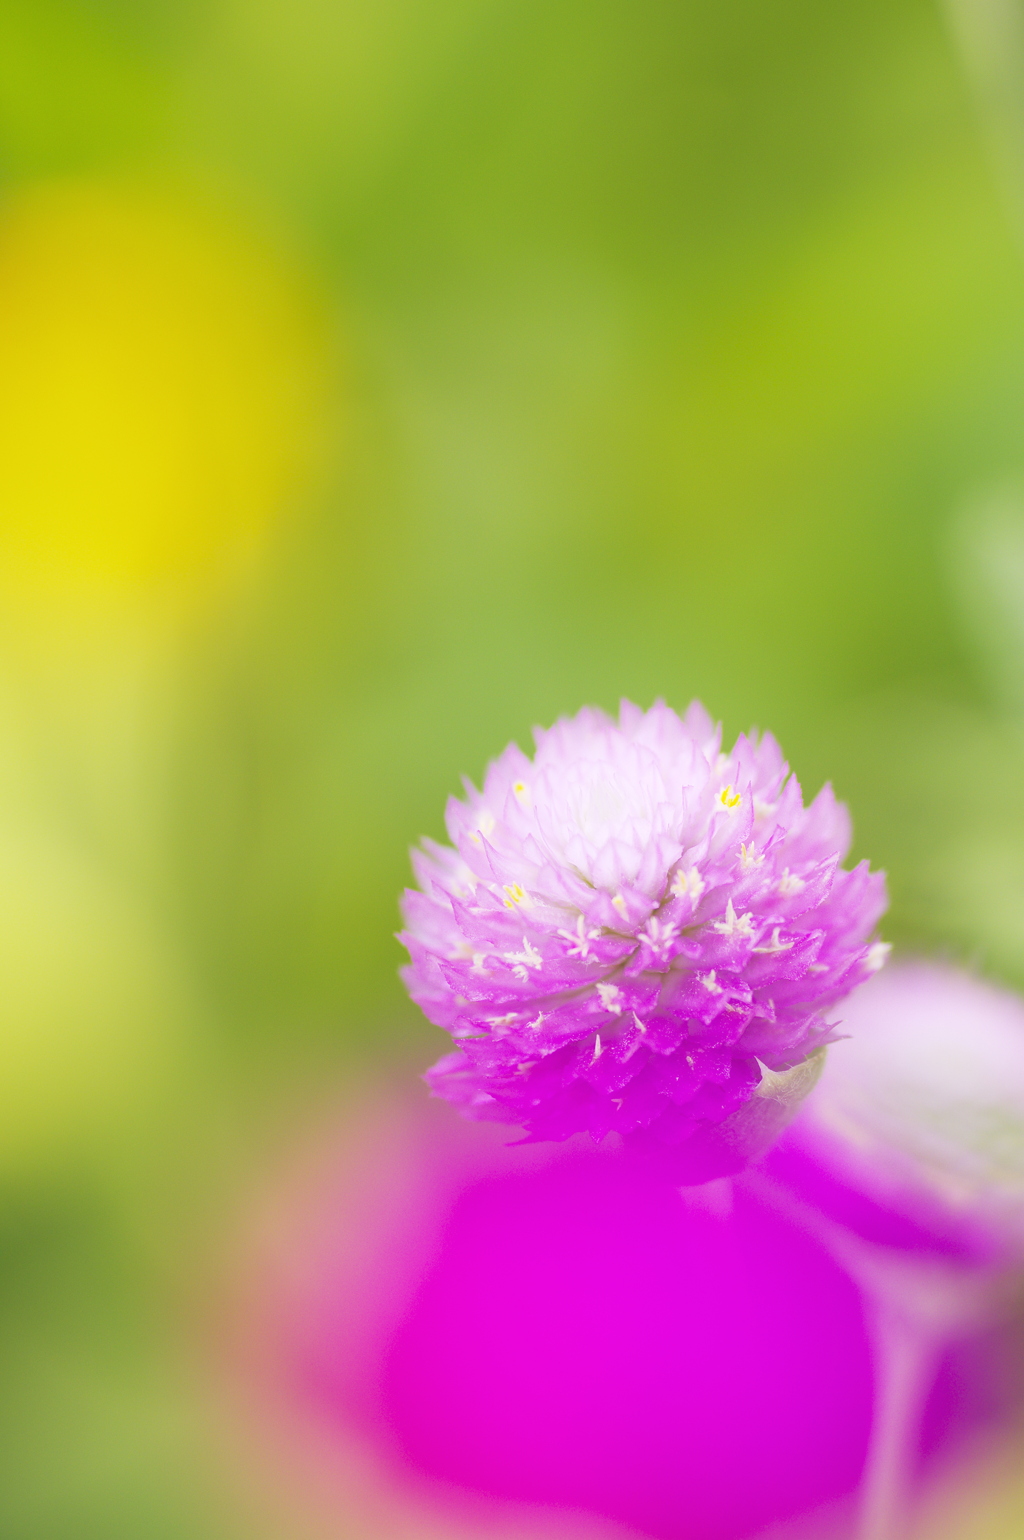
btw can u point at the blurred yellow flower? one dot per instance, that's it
(162, 386)
(164, 400)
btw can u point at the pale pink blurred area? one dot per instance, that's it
(915, 1133)
(428, 1332)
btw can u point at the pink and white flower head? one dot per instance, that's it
(638, 933)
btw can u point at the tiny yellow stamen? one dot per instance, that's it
(483, 829)
(516, 895)
(522, 792)
(729, 799)
(689, 883)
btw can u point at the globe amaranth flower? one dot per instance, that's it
(636, 932)
(921, 1113)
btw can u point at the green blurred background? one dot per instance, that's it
(377, 380)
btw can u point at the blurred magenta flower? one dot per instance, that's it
(638, 933)
(915, 1134)
(483, 1340)
(908, 1164)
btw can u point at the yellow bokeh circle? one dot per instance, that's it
(162, 384)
